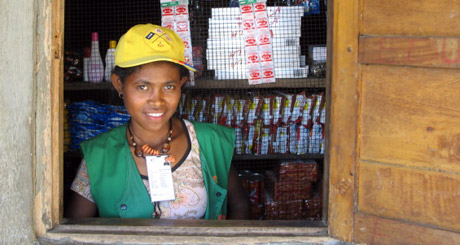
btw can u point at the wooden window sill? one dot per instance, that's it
(97, 230)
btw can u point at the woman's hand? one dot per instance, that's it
(80, 207)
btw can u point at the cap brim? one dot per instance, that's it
(149, 59)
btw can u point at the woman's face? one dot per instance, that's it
(151, 95)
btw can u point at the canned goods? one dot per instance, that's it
(256, 189)
(244, 178)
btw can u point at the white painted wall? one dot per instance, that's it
(17, 120)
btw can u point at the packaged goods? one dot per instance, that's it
(299, 170)
(72, 67)
(216, 108)
(286, 107)
(298, 107)
(312, 208)
(254, 109)
(110, 60)
(315, 139)
(268, 29)
(293, 138)
(282, 139)
(302, 144)
(277, 105)
(227, 112)
(256, 184)
(266, 112)
(238, 141)
(257, 140)
(96, 67)
(307, 113)
(202, 110)
(244, 176)
(311, 7)
(86, 57)
(248, 138)
(197, 54)
(287, 189)
(283, 210)
(191, 107)
(317, 55)
(266, 142)
(88, 119)
(240, 111)
(181, 106)
(272, 123)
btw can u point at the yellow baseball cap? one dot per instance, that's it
(147, 43)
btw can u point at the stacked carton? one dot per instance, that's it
(226, 46)
(289, 193)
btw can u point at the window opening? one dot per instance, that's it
(280, 150)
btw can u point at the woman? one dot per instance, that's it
(113, 179)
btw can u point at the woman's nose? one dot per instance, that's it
(156, 96)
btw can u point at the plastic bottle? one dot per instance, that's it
(96, 67)
(87, 55)
(110, 60)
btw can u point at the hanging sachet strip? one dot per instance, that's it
(257, 41)
(175, 16)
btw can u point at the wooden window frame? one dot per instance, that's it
(49, 225)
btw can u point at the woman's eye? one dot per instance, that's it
(142, 87)
(169, 87)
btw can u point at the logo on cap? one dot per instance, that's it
(158, 40)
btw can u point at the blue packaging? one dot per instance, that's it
(89, 118)
(311, 7)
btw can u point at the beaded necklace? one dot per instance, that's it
(148, 150)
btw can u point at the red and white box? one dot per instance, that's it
(264, 38)
(167, 13)
(255, 76)
(268, 74)
(248, 25)
(182, 26)
(266, 56)
(247, 9)
(250, 40)
(252, 56)
(181, 12)
(261, 23)
(260, 9)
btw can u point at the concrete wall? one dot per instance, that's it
(17, 120)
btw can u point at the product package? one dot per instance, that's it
(175, 16)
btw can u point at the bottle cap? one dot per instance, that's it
(112, 44)
(87, 52)
(94, 36)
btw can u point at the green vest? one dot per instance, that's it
(118, 189)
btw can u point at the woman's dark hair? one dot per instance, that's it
(123, 73)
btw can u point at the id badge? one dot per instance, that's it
(160, 178)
